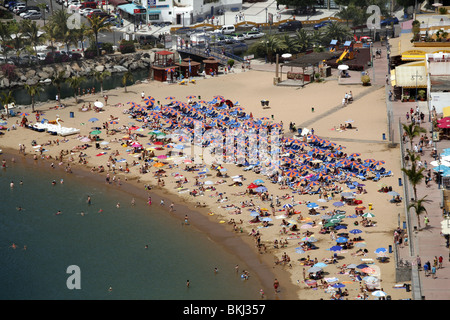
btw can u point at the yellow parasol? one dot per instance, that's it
(159, 165)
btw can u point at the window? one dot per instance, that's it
(153, 16)
(209, 1)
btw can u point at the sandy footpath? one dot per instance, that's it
(287, 104)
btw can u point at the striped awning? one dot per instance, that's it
(411, 76)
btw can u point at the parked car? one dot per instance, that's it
(85, 11)
(322, 24)
(389, 21)
(23, 14)
(33, 16)
(293, 25)
(41, 55)
(18, 8)
(237, 36)
(94, 11)
(12, 5)
(253, 35)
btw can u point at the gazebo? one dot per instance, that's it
(163, 66)
(311, 59)
(188, 67)
(211, 65)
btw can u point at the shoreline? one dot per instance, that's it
(239, 246)
(285, 107)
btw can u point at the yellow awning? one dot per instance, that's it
(413, 57)
(411, 76)
(393, 82)
(446, 112)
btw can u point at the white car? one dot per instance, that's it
(253, 35)
(18, 8)
(85, 11)
(237, 36)
(27, 12)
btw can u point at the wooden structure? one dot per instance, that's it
(189, 67)
(164, 67)
(211, 65)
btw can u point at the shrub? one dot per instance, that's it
(108, 47)
(230, 62)
(365, 80)
(90, 53)
(127, 47)
(9, 70)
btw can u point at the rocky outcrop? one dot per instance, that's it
(114, 63)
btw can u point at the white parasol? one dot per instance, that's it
(343, 67)
(98, 104)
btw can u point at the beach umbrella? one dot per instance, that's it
(351, 266)
(287, 206)
(368, 215)
(322, 200)
(267, 219)
(258, 181)
(104, 142)
(380, 250)
(312, 205)
(338, 285)
(314, 269)
(170, 98)
(308, 239)
(114, 122)
(94, 132)
(252, 186)
(320, 265)
(355, 231)
(354, 155)
(341, 240)
(335, 248)
(254, 214)
(306, 226)
(360, 245)
(93, 119)
(340, 227)
(368, 270)
(85, 139)
(338, 204)
(362, 266)
(98, 104)
(393, 193)
(261, 189)
(300, 251)
(191, 97)
(159, 165)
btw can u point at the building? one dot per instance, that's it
(438, 84)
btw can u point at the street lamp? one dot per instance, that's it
(266, 15)
(416, 76)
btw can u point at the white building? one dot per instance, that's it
(187, 12)
(438, 67)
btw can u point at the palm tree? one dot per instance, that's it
(100, 76)
(347, 13)
(412, 131)
(291, 44)
(98, 25)
(415, 176)
(6, 99)
(42, 6)
(57, 81)
(336, 31)
(419, 208)
(5, 38)
(51, 34)
(75, 83)
(127, 76)
(33, 90)
(270, 45)
(33, 33)
(80, 34)
(303, 39)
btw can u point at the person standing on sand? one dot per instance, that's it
(276, 284)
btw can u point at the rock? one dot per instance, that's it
(31, 81)
(99, 68)
(30, 73)
(119, 68)
(43, 75)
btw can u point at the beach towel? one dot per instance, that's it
(100, 154)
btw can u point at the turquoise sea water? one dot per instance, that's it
(108, 247)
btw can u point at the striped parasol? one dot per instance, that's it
(149, 101)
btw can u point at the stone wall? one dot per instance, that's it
(43, 73)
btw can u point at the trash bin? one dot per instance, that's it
(97, 145)
(384, 136)
(370, 206)
(390, 248)
(400, 182)
(267, 102)
(263, 103)
(408, 287)
(71, 114)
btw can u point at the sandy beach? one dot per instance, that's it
(367, 114)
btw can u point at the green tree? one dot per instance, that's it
(6, 99)
(419, 208)
(348, 13)
(5, 38)
(337, 31)
(33, 90)
(270, 45)
(98, 25)
(292, 46)
(80, 34)
(415, 176)
(127, 76)
(100, 76)
(33, 33)
(51, 34)
(57, 81)
(411, 130)
(303, 40)
(75, 83)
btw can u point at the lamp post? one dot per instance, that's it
(266, 15)
(416, 76)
